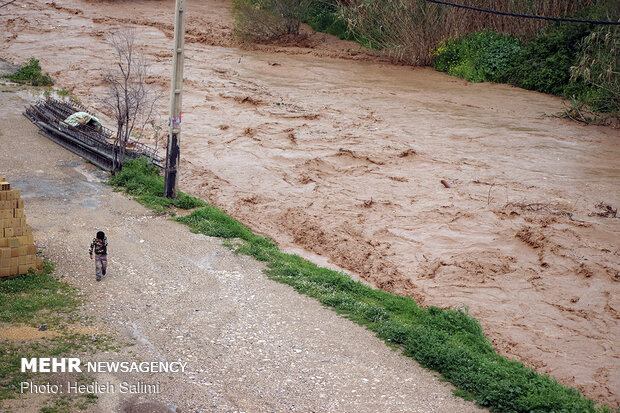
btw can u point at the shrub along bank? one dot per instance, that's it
(408, 31)
(480, 57)
(448, 341)
(30, 73)
(576, 61)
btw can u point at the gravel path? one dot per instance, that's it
(251, 344)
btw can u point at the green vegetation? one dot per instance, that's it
(598, 68)
(324, 16)
(576, 61)
(409, 31)
(480, 57)
(40, 299)
(544, 64)
(36, 298)
(405, 31)
(30, 73)
(448, 341)
(142, 181)
(63, 92)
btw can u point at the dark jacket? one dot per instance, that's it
(99, 247)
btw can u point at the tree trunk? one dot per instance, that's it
(292, 25)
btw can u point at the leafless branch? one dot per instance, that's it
(130, 101)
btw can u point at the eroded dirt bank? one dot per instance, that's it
(344, 157)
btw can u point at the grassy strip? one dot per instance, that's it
(143, 182)
(35, 300)
(448, 341)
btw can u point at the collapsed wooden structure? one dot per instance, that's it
(92, 142)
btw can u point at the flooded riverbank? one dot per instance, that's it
(327, 150)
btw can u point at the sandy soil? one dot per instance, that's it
(340, 159)
(25, 333)
(251, 344)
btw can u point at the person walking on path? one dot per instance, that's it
(99, 247)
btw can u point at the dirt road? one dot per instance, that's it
(251, 344)
(341, 160)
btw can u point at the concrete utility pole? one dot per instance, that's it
(173, 152)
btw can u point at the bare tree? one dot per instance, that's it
(128, 98)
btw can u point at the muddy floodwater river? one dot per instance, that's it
(340, 157)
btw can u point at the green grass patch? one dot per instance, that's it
(143, 182)
(448, 341)
(34, 300)
(30, 73)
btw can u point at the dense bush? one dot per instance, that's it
(30, 73)
(324, 16)
(479, 57)
(598, 67)
(544, 63)
(576, 61)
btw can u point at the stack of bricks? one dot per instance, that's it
(17, 249)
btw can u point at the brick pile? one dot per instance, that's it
(17, 249)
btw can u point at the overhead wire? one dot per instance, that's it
(525, 16)
(6, 4)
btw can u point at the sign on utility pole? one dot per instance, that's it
(173, 151)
